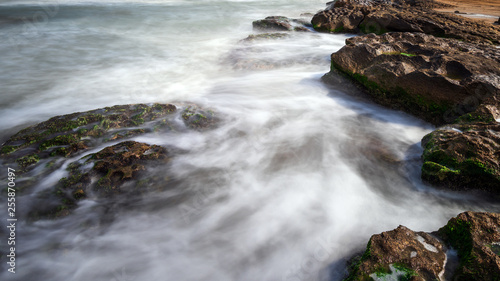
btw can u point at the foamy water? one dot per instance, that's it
(288, 186)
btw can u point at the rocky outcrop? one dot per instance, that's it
(433, 78)
(280, 23)
(379, 16)
(476, 237)
(69, 135)
(463, 156)
(403, 254)
(118, 168)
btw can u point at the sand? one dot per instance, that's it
(485, 10)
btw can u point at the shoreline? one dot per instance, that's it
(481, 10)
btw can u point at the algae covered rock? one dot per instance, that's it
(476, 237)
(403, 254)
(68, 135)
(435, 79)
(119, 170)
(400, 254)
(71, 134)
(463, 156)
(116, 170)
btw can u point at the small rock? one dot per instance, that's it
(401, 254)
(277, 23)
(476, 237)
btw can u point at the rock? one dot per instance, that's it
(252, 53)
(115, 170)
(402, 16)
(67, 135)
(476, 237)
(266, 36)
(279, 23)
(401, 254)
(126, 168)
(436, 79)
(464, 156)
(71, 134)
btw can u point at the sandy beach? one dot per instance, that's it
(485, 10)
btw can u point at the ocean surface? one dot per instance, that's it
(300, 187)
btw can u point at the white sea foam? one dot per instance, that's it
(285, 189)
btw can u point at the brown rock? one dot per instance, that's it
(433, 78)
(464, 156)
(402, 16)
(401, 254)
(115, 170)
(476, 237)
(276, 23)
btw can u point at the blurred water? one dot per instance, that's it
(294, 181)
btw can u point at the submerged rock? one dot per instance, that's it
(403, 254)
(402, 16)
(72, 134)
(280, 23)
(266, 36)
(68, 135)
(433, 78)
(126, 168)
(115, 170)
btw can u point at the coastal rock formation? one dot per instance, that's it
(280, 23)
(113, 171)
(117, 169)
(436, 79)
(403, 254)
(464, 156)
(71, 134)
(476, 237)
(379, 16)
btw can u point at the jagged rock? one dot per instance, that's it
(379, 17)
(279, 23)
(403, 254)
(115, 170)
(464, 156)
(71, 134)
(436, 79)
(67, 135)
(400, 254)
(476, 237)
(39, 150)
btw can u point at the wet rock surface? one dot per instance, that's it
(433, 78)
(403, 254)
(476, 237)
(68, 135)
(120, 168)
(280, 23)
(353, 16)
(463, 157)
